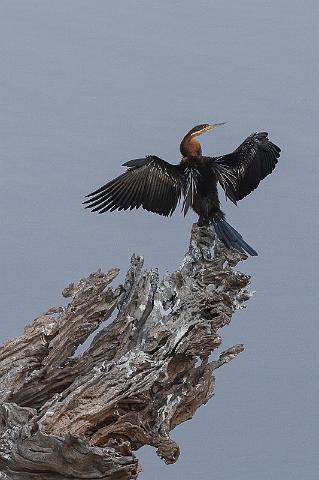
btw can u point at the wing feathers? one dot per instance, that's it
(240, 172)
(149, 182)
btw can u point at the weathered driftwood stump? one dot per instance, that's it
(148, 370)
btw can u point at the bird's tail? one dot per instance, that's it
(231, 238)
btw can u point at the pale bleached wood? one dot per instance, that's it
(148, 370)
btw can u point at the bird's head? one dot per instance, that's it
(190, 146)
(205, 127)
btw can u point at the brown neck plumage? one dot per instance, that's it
(190, 146)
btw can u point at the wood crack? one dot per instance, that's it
(145, 372)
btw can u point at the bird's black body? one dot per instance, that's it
(205, 200)
(157, 186)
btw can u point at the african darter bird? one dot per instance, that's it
(157, 186)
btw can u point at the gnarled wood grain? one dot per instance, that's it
(148, 370)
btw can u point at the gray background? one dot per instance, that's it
(87, 85)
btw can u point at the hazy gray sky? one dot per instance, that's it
(87, 85)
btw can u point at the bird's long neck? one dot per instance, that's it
(190, 146)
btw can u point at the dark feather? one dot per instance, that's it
(149, 182)
(240, 172)
(231, 238)
(192, 177)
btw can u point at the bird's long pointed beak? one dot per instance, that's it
(214, 125)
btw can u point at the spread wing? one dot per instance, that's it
(240, 172)
(149, 182)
